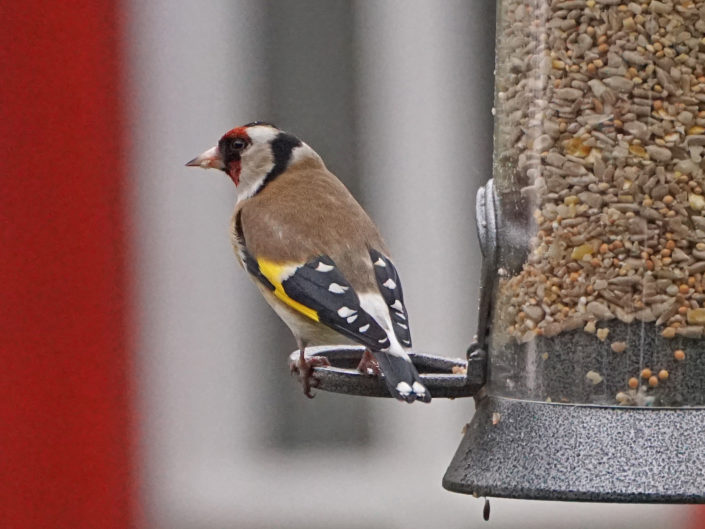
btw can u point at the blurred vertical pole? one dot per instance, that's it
(312, 78)
(312, 94)
(65, 427)
(196, 70)
(425, 104)
(427, 147)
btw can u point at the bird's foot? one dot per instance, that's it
(368, 365)
(304, 368)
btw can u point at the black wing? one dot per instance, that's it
(320, 286)
(390, 287)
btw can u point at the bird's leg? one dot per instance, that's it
(304, 367)
(368, 365)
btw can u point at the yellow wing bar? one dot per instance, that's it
(319, 291)
(275, 274)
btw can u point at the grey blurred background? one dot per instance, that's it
(396, 96)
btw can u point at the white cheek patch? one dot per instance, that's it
(257, 161)
(271, 152)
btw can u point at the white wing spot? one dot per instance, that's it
(352, 318)
(402, 326)
(323, 267)
(401, 316)
(364, 328)
(406, 341)
(345, 312)
(390, 284)
(404, 389)
(382, 340)
(418, 388)
(379, 262)
(397, 305)
(335, 288)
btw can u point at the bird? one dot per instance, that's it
(315, 255)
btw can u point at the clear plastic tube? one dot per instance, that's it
(599, 174)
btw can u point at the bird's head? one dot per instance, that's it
(253, 155)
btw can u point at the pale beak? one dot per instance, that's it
(210, 159)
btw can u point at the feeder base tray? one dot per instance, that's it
(548, 451)
(437, 374)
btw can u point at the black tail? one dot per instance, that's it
(402, 378)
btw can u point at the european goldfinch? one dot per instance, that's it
(314, 254)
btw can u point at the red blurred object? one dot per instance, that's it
(65, 438)
(698, 517)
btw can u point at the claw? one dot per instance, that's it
(368, 364)
(304, 367)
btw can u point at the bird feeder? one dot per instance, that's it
(588, 370)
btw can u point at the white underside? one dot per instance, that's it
(305, 330)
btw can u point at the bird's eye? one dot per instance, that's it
(239, 144)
